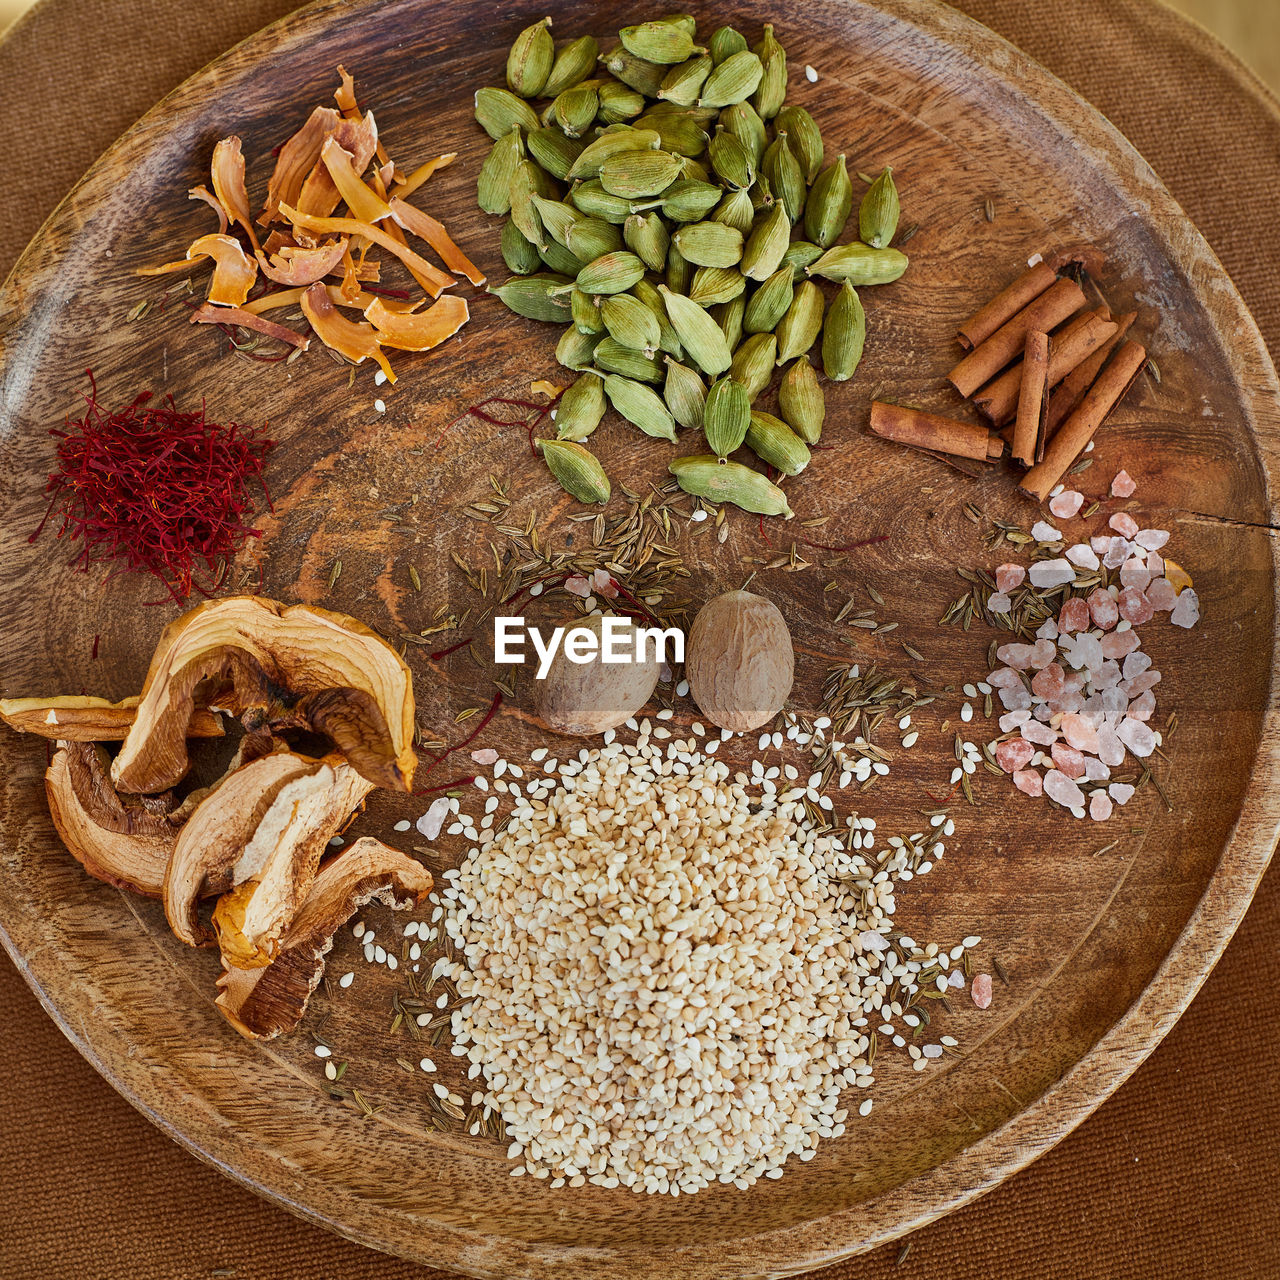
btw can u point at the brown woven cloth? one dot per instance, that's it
(1178, 1176)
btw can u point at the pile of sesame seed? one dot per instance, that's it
(672, 978)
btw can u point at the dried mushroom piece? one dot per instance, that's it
(263, 1003)
(276, 866)
(126, 841)
(76, 718)
(293, 663)
(215, 835)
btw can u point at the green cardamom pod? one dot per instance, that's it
(679, 130)
(631, 323)
(575, 109)
(859, 264)
(612, 272)
(800, 255)
(668, 339)
(799, 328)
(769, 303)
(585, 310)
(556, 218)
(493, 186)
(786, 178)
(735, 210)
(498, 111)
(519, 254)
(576, 349)
(678, 273)
(773, 442)
(844, 336)
(524, 213)
(554, 151)
(535, 297)
(744, 123)
(581, 406)
(694, 171)
(647, 237)
(685, 394)
(753, 363)
(640, 74)
(685, 20)
(724, 43)
(530, 59)
(878, 212)
(829, 203)
(665, 43)
(593, 200)
(699, 334)
(573, 64)
(682, 83)
(592, 238)
(709, 244)
(800, 400)
(762, 195)
(766, 244)
(726, 416)
(730, 160)
(618, 103)
(728, 315)
(803, 137)
(711, 286)
(734, 80)
(559, 259)
(613, 356)
(641, 406)
(771, 94)
(689, 200)
(608, 145)
(635, 174)
(577, 469)
(706, 476)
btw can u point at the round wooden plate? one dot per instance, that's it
(1104, 947)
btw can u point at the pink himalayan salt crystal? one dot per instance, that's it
(1015, 699)
(999, 602)
(1005, 677)
(981, 991)
(1043, 531)
(1123, 523)
(1123, 485)
(1028, 782)
(1047, 630)
(1057, 786)
(1068, 759)
(1079, 733)
(486, 755)
(1068, 704)
(430, 823)
(1051, 573)
(1066, 504)
(1009, 577)
(1083, 556)
(1100, 543)
(1099, 806)
(578, 586)
(1140, 683)
(1041, 734)
(1074, 616)
(1012, 720)
(1048, 684)
(1155, 564)
(1121, 792)
(1186, 613)
(1017, 656)
(1014, 754)
(1134, 573)
(1135, 664)
(1143, 707)
(1102, 608)
(1043, 652)
(1134, 606)
(1083, 650)
(1115, 644)
(1162, 595)
(1110, 748)
(1119, 551)
(1095, 770)
(1151, 539)
(603, 582)
(1137, 737)
(1115, 703)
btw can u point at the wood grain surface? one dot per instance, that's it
(1103, 950)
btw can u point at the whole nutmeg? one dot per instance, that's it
(739, 660)
(590, 697)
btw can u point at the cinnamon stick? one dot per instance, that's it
(1033, 400)
(1071, 389)
(999, 400)
(1005, 305)
(930, 431)
(1062, 299)
(1079, 428)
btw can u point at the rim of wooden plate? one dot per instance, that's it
(1112, 1059)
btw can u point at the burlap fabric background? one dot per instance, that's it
(1178, 1176)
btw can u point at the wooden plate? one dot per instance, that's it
(1104, 949)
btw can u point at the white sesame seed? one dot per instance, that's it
(380, 406)
(346, 980)
(403, 825)
(810, 74)
(323, 1051)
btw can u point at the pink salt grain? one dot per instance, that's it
(1102, 608)
(1009, 577)
(1123, 523)
(1079, 733)
(1028, 782)
(1068, 760)
(1041, 734)
(1017, 656)
(1014, 754)
(1134, 606)
(1059, 787)
(981, 991)
(1123, 485)
(577, 585)
(1048, 684)
(1143, 707)
(1066, 504)
(1099, 806)
(1162, 595)
(1074, 615)
(487, 755)
(1186, 613)
(1115, 644)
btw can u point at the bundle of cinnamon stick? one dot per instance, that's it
(1042, 368)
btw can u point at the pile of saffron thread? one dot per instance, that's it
(162, 491)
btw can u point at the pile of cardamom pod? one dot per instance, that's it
(653, 215)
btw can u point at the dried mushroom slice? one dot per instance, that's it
(77, 718)
(123, 840)
(262, 1003)
(217, 832)
(342, 679)
(274, 870)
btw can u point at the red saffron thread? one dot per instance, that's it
(94, 654)
(529, 424)
(446, 786)
(471, 737)
(851, 546)
(453, 648)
